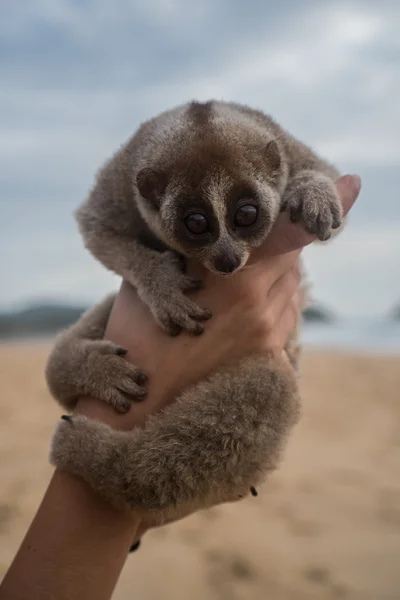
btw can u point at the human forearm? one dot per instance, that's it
(75, 547)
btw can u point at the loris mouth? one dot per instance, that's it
(226, 271)
(224, 275)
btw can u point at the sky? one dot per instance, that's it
(78, 77)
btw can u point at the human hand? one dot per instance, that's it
(253, 310)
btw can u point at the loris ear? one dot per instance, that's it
(151, 185)
(273, 156)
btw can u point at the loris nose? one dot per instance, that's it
(227, 263)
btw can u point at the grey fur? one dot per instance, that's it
(224, 434)
(199, 151)
(221, 437)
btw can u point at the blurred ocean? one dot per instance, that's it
(364, 334)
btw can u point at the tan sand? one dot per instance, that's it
(327, 525)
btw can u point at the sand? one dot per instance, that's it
(327, 525)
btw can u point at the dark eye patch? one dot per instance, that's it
(197, 224)
(245, 215)
(248, 217)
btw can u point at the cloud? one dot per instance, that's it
(80, 77)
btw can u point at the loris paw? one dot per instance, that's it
(165, 296)
(111, 378)
(82, 367)
(312, 197)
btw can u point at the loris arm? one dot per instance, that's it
(157, 276)
(82, 363)
(310, 194)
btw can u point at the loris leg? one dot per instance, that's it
(220, 438)
(83, 364)
(312, 196)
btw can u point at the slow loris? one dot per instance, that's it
(205, 181)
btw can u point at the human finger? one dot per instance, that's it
(281, 293)
(287, 237)
(285, 325)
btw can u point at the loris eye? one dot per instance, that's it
(197, 223)
(246, 215)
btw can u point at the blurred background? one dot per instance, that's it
(77, 78)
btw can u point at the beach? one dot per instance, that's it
(325, 525)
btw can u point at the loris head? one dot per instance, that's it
(212, 191)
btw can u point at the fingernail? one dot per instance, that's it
(67, 418)
(197, 285)
(139, 397)
(175, 330)
(121, 351)
(135, 547)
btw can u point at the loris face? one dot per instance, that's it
(208, 211)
